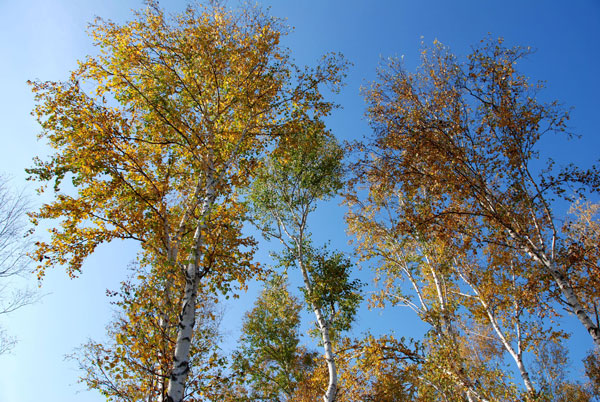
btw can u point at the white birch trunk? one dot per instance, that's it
(185, 333)
(573, 302)
(172, 255)
(567, 291)
(332, 386)
(538, 254)
(324, 326)
(187, 317)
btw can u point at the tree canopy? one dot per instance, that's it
(157, 133)
(185, 133)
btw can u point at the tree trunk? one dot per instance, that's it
(331, 392)
(569, 294)
(187, 320)
(332, 387)
(574, 303)
(187, 317)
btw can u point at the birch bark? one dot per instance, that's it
(516, 355)
(187, 317)
(324, 325)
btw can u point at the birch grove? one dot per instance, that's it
(187, 132)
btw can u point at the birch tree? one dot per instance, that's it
(304, 170)
(465, 135)
(155, 134)
(270, 362)
(480, 304)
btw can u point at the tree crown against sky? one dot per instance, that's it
(402, 43)
(457, 209)
(165, 104)
(158, 133)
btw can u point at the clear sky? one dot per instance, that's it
(42, 39)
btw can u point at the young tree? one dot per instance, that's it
(551, 373)
(157, 132)
(461, 140)
(304, 169)
(269, 361)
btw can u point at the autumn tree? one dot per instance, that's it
(303, 170)
(592, 371)
(460, 140)
(270, 362)
(155, 134)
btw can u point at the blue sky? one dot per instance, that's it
(42, 39)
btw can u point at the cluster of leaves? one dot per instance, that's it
(303, 169)
(332, 289)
